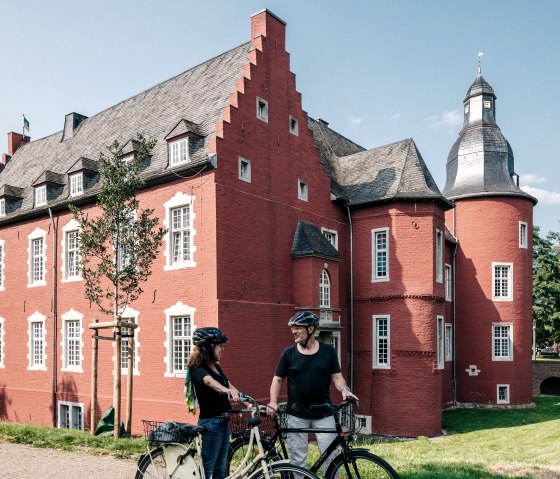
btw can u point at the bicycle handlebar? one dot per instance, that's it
(334, 407)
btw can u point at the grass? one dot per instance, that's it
(479, 444)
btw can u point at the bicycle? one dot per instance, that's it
(350, 463)
(176, 453)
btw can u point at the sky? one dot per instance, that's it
(377, 71)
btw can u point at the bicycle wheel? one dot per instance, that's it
(238, 449)
(360, 465)
(152, 465)
(285, 471)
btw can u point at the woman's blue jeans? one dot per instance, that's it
(215, 446)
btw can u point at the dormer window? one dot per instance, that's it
(262, 109)
(179, 151)
(2, 206)
(40, 195)
(293, 126)
(77, 184)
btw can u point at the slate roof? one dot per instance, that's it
(309, 241)
(479, 87)
(197, 96)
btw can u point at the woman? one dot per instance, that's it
(213, 392)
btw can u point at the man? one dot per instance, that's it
(310, 366)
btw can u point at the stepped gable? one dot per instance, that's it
(388, 173)
(197, 95)
(309, 241)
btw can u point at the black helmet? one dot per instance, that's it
(303, 318)
(208, 337)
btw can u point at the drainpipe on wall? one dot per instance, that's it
(351, 335)
(454, 297)
(54, 310)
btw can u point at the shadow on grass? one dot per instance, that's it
(439, 471)
(476, 419)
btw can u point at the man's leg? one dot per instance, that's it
(324, 439)
(297, 441)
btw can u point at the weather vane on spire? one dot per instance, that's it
(479, 61)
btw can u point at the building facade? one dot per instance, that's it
(270, 211)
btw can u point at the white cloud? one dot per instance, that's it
(531, 179)
(355, 120)
(448, 119)
(544, 196)
(397, 116)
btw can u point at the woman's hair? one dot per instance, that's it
(199, 357)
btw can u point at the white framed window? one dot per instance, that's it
(179, 327)
(326, 315)
(2, 266)
(294, 128)
(440, 342)
(332, 236)
(381, 342)
(439, 256)
(77, 184)
(502, 393)
(37, 346)
(331, 338)
(2, 206)
(2, 344)
(523, 231)
(262, 109)
(487, 104)
(179, 221)
(303, 192)
(380, 250)
(71, 252)
(324, 290)
(502, 281)
(244, 169)
(179, 152)
(448, 342)
(72, 344)
(502, 342)
(70, 415)
(448, 283)
(37, 258)
(130, 315)
(40, 195)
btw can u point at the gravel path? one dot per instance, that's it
(18, 461)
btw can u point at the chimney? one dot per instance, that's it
(71, 122)
(15, 140)
(267, 24)
(5, 159)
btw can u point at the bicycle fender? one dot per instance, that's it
(191, 467)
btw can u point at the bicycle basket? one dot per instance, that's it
(149, 426)
(239, 427)
(176, 432)
(349, 420)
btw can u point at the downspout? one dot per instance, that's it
(54, 310)
(454, 298)
(351, 335)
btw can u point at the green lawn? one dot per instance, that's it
(479, 444)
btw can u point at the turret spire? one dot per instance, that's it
(479, 62)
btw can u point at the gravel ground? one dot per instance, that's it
(18, 461)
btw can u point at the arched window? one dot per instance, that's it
(325, 290)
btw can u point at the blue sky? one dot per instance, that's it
(377, 71)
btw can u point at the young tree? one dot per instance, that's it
(546, 287)
(118, 246)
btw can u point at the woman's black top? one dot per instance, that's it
(212, 403)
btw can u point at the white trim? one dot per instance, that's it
(448, 340)
(509, 296)
(71, 405)
(503, 401)
(375, 278)
(36, 317)
(324, 289)
(2, 207)
(72, 225)
(376, 364)
(178, 309)
(510, 342)
(71, 315)
(262, 113)
(302, 190)
(439, 256)
(177, 144)
(130, 313)
(38, 195)
(76, 185)
(178, 200)
(334, 233)
(2, 265)
(448, 282)
(247, 169)
(37, 233)
(523, 238)
(2, 342)
(440, 341)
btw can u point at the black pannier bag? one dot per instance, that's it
(174, 432)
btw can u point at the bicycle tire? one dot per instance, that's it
(238, 449)
(285, 471)
(152, 465)
(361, 465)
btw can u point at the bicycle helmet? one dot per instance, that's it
(208, 337)
(303, 318)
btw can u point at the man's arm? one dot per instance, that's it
(275, 388)
(340, 384)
